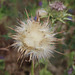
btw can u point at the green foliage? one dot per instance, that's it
(71, 58)
(60, 16)
(6, 73)
(1, 14)
(2, 67)
(41, 61)
(45, 72)
(45, 3)
(6, 37)
(6, 10)
(2, 64)
(69, 3)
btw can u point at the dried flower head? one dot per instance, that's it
(41, 12)
(57, 6)
(34, 39)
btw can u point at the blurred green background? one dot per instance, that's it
(10, 10)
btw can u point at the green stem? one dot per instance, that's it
(32, 68)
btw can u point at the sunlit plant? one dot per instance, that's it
(57, 12)
(34, 39)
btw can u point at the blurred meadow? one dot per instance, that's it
(60, 64)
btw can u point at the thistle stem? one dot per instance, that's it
(32, 68)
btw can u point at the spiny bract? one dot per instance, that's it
(34, 38)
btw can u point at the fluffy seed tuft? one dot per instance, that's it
(34, 39)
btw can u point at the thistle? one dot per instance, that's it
(57, 6)
(41, 12)
(34, 39)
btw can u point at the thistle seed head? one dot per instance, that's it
(35, 39)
